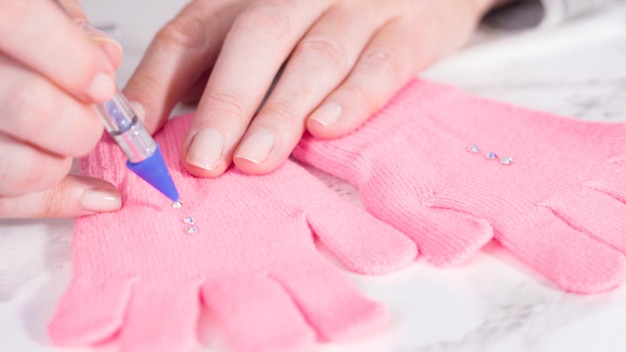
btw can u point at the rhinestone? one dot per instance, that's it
(189, 220)
(177, 204)
(192, 230)
(491, 156)
(507, 160)
(473, 149)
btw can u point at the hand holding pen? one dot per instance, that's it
(346, 59)
(51, 80)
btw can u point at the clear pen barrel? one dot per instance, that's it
(123, 125)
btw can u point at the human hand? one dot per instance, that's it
(141, 279)
(554, 189)
(53, 71)
(346, 59)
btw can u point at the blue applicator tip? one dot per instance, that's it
(154, 171)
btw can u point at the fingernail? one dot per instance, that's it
(257, 146)
(98, 200)
(102, 87)
(111, 47)
(206, 149)
(92, 31)
(327, 114)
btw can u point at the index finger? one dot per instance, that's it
(73, 9)
(259, 41)
(40, 36)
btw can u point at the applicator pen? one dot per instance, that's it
(144, 155)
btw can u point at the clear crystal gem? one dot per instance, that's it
(491, 155)
(177, 205)
(191, 230)
(189, 220)
(507, 160)
(473, 149)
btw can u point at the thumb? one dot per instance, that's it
(73, 196)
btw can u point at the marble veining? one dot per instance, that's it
(526, 312)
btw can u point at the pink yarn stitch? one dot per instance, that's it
(141, 279)
(559, 206)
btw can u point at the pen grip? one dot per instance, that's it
(122, 123)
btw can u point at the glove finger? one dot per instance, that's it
(328, 299)
(161, 317)
(613, 183)
(601, 216)
(362, 243)
(90, 312)
(257, 314)
(444, 237)
(359, 241)
(569, 258)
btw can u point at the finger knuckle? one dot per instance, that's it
(356, 95)
(283, 113)
(326, 48)
(30, 112)
(143, 85)
(384, 59)
(268, 19)
(187, 31)
(61, 169)
(53, 202)
(229, 102)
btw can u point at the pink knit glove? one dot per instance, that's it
(141, 278)
(553, 190)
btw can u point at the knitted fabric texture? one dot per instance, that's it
(559, 206)
(141, 279)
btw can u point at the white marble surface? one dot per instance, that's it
(493, 302)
